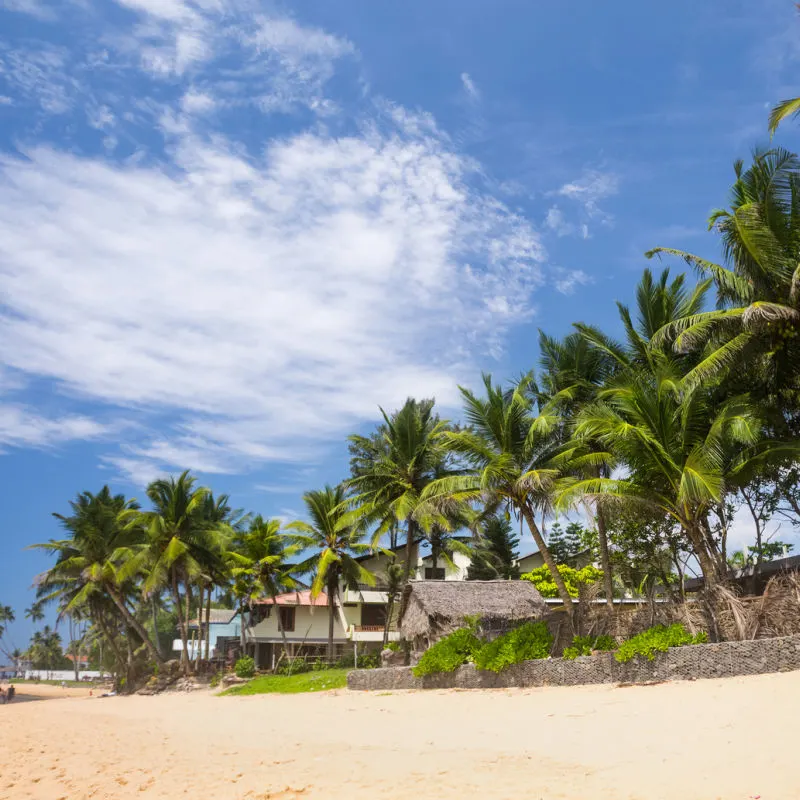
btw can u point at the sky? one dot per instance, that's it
(230, 230)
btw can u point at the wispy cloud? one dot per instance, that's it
(567, 280)
(556, 222)
(34, 8)
(469, 87)
(587, 192)
(22, 426)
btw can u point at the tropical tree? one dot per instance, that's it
(7, 616)
(35, 613)
(496, 553)
(758, 293)
(180, 548)
(260, 566)
(394, 579)
(89, 573)
(683, 450)
(337, 542)
(45, 650)
(510, 462)
(391, 469)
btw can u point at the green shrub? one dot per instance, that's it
(584, 645)
(393, 646)
(657, 639)
(449, 653)
(245, 667)
(573, 578)
(216, 679)
(526, 643)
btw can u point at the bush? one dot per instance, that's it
(573, 578)
(393, 646)
(449, 653)
(245, 667)
(584, 645)
(528, 642)
(657, 639)
(215, 681)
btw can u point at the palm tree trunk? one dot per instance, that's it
(181, 621)
(154, 612)
(280, 625)
(134, 623)
(387, 624)
(199, 653)
(208, 625)
(188, 598)
(331, 612)
(551, 565)
(110, 639)
(605, 559)
(411, 548)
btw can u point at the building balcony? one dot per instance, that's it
(370, 633)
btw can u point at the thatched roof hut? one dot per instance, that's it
(435, 608)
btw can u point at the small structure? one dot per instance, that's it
(435, 608)
(751, 580)
(222, 626)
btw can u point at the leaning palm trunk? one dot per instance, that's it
(134, 623)
(181, 621)
(605, 559)
(199, 654)
(280, 626)
(331, 620)
(188, 600)
(551, 564)
(208, 625)
(387, 625)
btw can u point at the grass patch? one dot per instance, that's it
(322, 681)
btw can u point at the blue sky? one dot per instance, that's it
(229, 230)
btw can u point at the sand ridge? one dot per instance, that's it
(730, 739)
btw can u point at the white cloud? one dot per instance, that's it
(33, 7)
(40, 76)
(469, 87)
(259, 305)
(21, 426)
(196, 102)
(588, 191)
(556, 222)
(567, 279)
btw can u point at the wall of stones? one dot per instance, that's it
(722, 660)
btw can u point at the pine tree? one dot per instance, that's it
(496, 556)
(565, 544)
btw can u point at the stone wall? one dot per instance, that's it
(722, 660)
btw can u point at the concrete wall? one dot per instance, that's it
(722, 660)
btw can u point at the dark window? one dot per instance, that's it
(373, 615)
(287, 618)
(434, 574)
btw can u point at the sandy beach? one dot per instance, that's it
(694, 741)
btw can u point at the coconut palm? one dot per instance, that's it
(35, 613)
(758, 316)
(391, 469)
(338, 543)
(782, 111)
(393, 578)
(683, 452)
(179, 545)
(89, 572)
(260, 566)
(510, 461)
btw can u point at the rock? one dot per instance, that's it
(232, 680)
(392, 658)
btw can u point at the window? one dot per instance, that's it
(286, 618)
(434, 574)
(373, 615)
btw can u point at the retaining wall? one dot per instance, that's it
(722, 660)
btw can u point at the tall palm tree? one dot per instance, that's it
(758, 293)
(391, 469)
(682, 449)
(179, 545)
(338, 542)
(394, 578)
(35, 613)
(6, 616)
(260, 566)
(89, 572)
(510, 462)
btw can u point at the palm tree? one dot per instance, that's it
(782, 111)
(338, 542)
(511, 462)
(35, 613)
(394, 578)
(180, 545)
(6, 616)
(758, 316)
(259, 565)
(89, 572)
(391, 469)
(683, 452)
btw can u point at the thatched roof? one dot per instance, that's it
(433, 607)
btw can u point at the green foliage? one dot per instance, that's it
(449, 653)
(496, 555)
(393, 646)
(526, 643)
(565, 544)
(573, 578)
(245, 667)
(323, 681)
(216, 679)
(657, 639)
(584, 645)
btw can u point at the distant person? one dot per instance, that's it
(10, 693)
(2, 695)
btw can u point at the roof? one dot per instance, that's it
(768, 568)
(218, 616)
(435, 606)
(70, 657)
(295, 599)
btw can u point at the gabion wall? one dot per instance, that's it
(722, 660)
